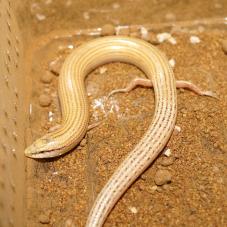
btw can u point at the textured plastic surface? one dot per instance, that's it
(12, 119)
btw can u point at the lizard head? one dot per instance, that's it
(44, 147)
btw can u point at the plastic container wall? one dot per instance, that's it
(12, 118)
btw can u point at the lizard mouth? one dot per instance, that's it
(43, 148)
(45, 154)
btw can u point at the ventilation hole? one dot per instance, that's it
(9, 42)
(17, 40)
(14, 121)
(8, 13)
(16, 62)
(5, 131)
(17, 52)
(9, 26)
(7, 67)
(6, 80)
(8, 56)
(16, 107)
(15, 136)
(12, 185)
(16, 93)
(14, 153)
(6, 114)
(4, 147)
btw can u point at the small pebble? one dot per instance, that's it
(167, 161)
(83, 142)
(46, 78)
(133, 210)
(40, 17)
(44, 100)
(143, 176)
(161, 37)
(194, 39)
(172, 40)
(177, 129)
(153, 189)
(124, 31)
(167, 152)
(159, 189)
(69, 223)
(55, 65)
(108, 29)
(144, 32)
(166, 186)
(65, 48)
(152, 38)
(86, 15)
(102, 69)
(162, 177)
(224, 45)
(44, 219)
(50, 116)
(172, 62)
